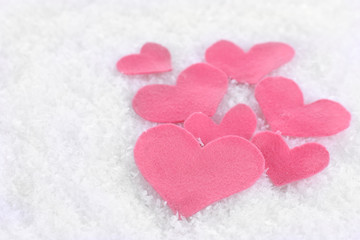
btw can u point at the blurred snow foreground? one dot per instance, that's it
(67, 128)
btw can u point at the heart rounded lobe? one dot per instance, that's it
(282, 104)
(199, 88)
(190, 177)
(153, 58)
(252, 66)
(239, 121)
(288, 165)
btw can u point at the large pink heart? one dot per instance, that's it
(282, 104)
(285, 165)
(248, 67)
(153, 58)
(239, 120)
(189, 177)
(199, 88)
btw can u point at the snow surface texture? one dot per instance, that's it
(67, 128)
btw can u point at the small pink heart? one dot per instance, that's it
(282, 104)
(239, 120)
(153, 58)
(252, 66)
(285, 165)
(199, 88)
(190, 177)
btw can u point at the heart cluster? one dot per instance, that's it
(200, 162)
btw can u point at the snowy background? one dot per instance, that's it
(67, 128)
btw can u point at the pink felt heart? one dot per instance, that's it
(199, 88)
(153, 58)
(248, 67)
(239, 120)
(282, 104)
(190, 177)
(285, 165)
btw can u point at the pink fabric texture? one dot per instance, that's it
(190, 177)
(248, 67)
(239, 120)
(153, 58)
(285, 165)
(199, 88)
(282, 104)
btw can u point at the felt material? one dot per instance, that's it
(67, 127)
(239, 120)
(248, 67)
(199, 88)
(153, 58)
(282, 104)
(285, 165)
(189, 177)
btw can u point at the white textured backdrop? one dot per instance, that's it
(67, 129)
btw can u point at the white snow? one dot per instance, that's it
(67, 128)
